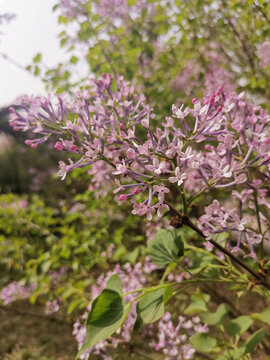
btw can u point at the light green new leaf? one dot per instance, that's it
(114, 283)
(151, 306)
(218, 317)
(37, 58)
(232, 354)
(239, 325)
(264, 316)
(253, 341)
(198, 304)
(204, 342)
(166, 247)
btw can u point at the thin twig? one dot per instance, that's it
(135, 351)
(33, 314)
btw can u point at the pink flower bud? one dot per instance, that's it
(122, 197)
(194, 100)
(212, 99)
(28, 142)
(208, 147)
(34, 146)
(220, 89)
(219, 109)
(58, 146)
(122, 126)
(136, 191)
(74, 148)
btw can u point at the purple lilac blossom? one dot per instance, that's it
(264, 54)
(16, 291)
(216, 143)
(72, 8)
(51, 307)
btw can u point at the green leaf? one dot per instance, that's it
(203, 342)
(264, 316)
(36, 71)
(232, 354)
(73, 305)
(253, 341)
(132, 256)
(218, 317)
(166, 247)
(198, 304)
(37, 58)
(114, 283)
(62, 20)
(167, 294)
(108, 313)
(73, 59)
(151, 306)
(239, 325)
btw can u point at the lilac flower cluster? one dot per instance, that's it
(120, 9)
(215, 77)
(16, 291)
(222, 142)
(174, 340)
(187, 78)
(72, 8)
(6, 18)
(52, 307)
(264, 54)
(107, 9)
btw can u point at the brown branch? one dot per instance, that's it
(243, 44)
(262, 12)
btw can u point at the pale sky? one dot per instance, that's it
(33, 30)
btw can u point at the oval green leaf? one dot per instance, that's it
(239, 325)
(203, 342)
(166, 247)
(151, 306)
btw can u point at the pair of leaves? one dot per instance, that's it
(109, 311)
(166, 247)
(107, 314)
